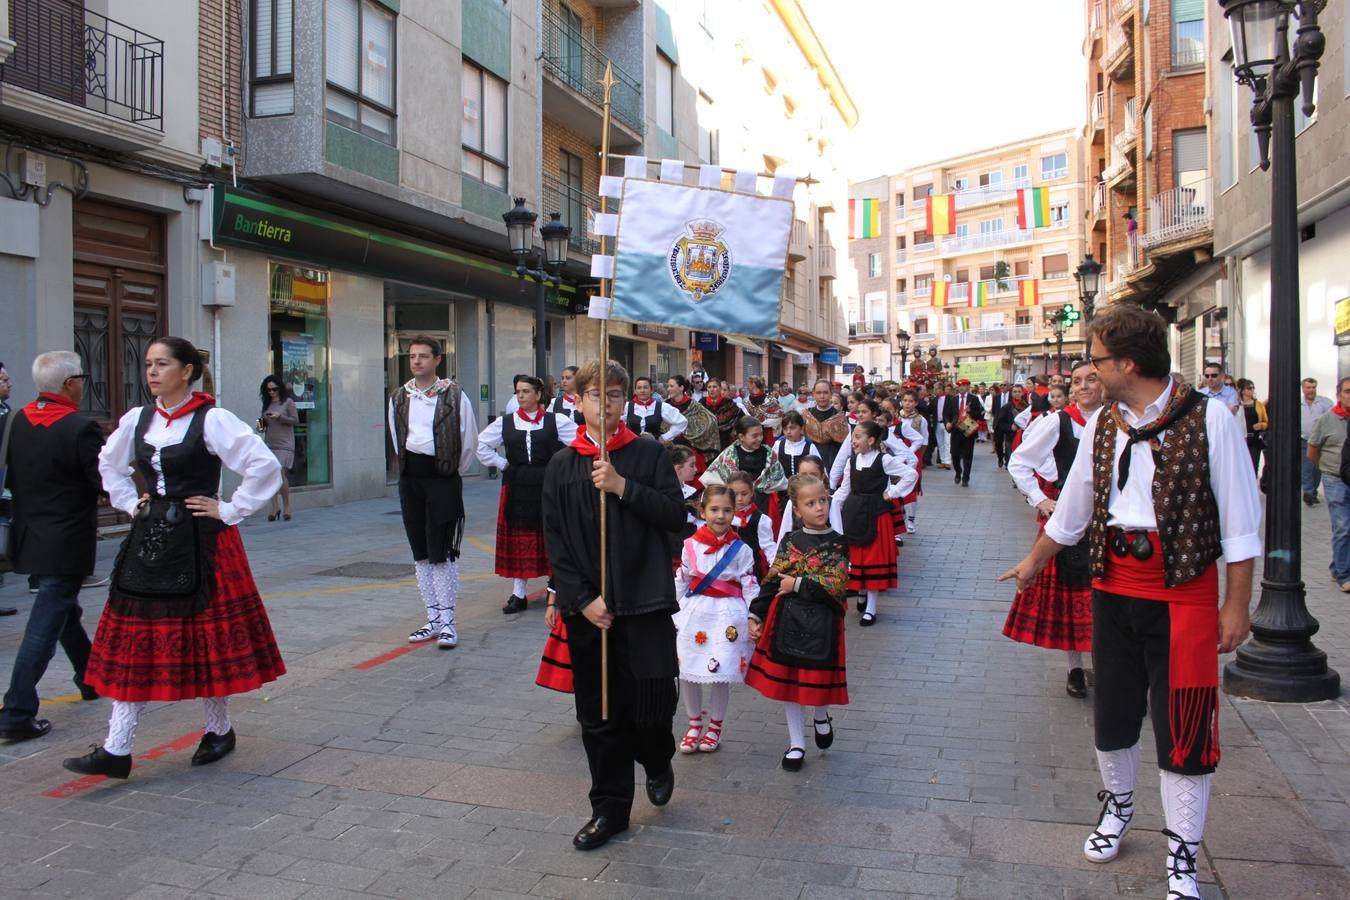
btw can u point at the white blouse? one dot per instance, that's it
(767, 542)
(669, 414)
(421, 417)
(490, 439)
(893, 444)
(237, 445)
(891, 464)
(1036, 456)
(740, 569)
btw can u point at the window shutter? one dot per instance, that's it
(262, 38)
(1190, 150)
(1188, 10)
(342, 39)
(285, 30)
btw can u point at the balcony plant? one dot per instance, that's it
(1001, 272)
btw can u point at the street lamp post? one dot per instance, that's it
(1088, 275)
(902, 341)
(1045, 357)
(1280, 662)
(520, 234)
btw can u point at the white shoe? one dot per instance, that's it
(911, 526)
(448, 638)
(425, 633)
(1103, 845)
(94, 581)
(1182, 883)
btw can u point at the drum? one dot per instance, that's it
(967, 425)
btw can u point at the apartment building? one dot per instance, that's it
(303, 187)
(989, 257)
(1151, 219)
(1242, 214)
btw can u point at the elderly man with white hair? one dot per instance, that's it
(52, 471)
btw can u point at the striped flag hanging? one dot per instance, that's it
(979, 294)
(940, 294)
(864, 219)
(962, 324)
(1028, 292)
(1033, 208)
(942, 214)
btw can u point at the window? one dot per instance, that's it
(573, 201)
(298, 344)
(922, 192)
(1056, 165)
(922, 237)
(963, 230)
(991, 226)
(874, 265)
(1023, 317)
(1021, 268)
(1021, 173)
(923, 284)
(571, 44)
(665, 94)
(986, 273)
(1188, 33)
(360, 64)
(272, 81)
(961, 184)
(708, 136)
(1055, 266)
(921, 325)
(1059, 215)
(991, 178)
(962, 276)
(483, 133)
(1190, 168)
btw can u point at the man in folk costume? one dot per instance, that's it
(647, 414)
(1056, 611)
(1162, 486)
(965, 407)
(432, 423)
(826, 424)
(520, 445)
(725, 409)
(644, 504)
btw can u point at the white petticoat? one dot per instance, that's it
(713, 640)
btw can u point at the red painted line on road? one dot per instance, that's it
(71, 788)
(394, 654)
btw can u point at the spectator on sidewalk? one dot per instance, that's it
(52, 470)
(1313, 407)
(1213, 386)
(1325, 445)
(277, 424)
(1254, 420)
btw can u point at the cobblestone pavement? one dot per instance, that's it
(961, 768)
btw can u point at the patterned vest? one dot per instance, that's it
(1183, 501)
(444, 428)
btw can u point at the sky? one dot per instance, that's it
(934, 80)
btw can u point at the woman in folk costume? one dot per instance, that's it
(1055, 611)
(715, 582)
(797, 622)
(810, 465)
(908, 415)
(791, 448)
(861, 513)
(763, 404)
(183, 617)
(826, 424)
(701, 433)
(649, 415)
(725, 409)
(520, 445)
(567, 403)
(749, 454)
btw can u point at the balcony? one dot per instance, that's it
(973, 242)
(1003, 335)
(901, 298)
(1115, 174)
(991, 193)
(919, 207)
(922, 290)
(868, 329)
(1122, 8)
(573, 69)
(1118, 50)
(825, 262)
(79, 57)
(925, 247)
(1099, 202)
(1125, 139)
(1097, 115)
(576, 207)
(900, 257)
(797, 248)
(1181, 213)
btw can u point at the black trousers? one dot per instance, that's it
(963, 453)
(931, 447)
(433, 509)
(641, 711)
(1130, 653)
(1002, 446)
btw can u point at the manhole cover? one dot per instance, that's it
(384, 571)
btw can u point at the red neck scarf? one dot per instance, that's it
(743, 514)
(571, 400)
(1075, 413)
(705, 536)
(48, 409)
(648, 402)
(1337, 409)
(196, 401)
(539, 413)
(622, 437)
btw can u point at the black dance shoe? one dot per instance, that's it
(596, 833)
(515, 605)
(26, 730)
(661, 787)
(862, 602)
(1076, 686)
(794, 763)
(824, 738)
(86, 692)
(213, 747)
(99, 762)
(868, 620)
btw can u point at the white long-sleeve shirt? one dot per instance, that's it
(1231, 479)
(767, 542)
(669, 414)
(891, 464)
(490, 438)
(785, 448)
(741, 569)
(916, 429)
(1036, 456)
(893, 444)
(238, 447)
(421, 439)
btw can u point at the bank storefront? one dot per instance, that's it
(331, 305)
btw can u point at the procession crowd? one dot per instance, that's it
(694, 537)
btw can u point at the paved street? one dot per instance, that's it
(961, 769)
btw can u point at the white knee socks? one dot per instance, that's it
(795, 724)
(518, 587)
(445, 586)
(693, 699)
(122, 727)
(1185, 804)
(217, 714)
(1119, 768)
(911, 514)
(426, 588)
(871, 602)
(718, 702)
(1075, 659)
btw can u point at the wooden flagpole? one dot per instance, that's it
(607, 83)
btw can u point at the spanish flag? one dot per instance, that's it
(1028, 292)
(864, 219)
(940, 294)
(978, 293)
(942, 214)
(1033, 208)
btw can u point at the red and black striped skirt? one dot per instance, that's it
(520, 550)
(873, 567)
(825, 686)
(555, 665)
(1051, 614)
(227, 648)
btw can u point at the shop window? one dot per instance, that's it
(298, 355)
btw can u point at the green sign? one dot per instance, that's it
(987, 371)
(483, 393)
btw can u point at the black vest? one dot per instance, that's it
(524, 473)
(865, 500)
(190, 469)
(561, 409)
(749, 535)
(789, 461)
(650, 424)
(1065, 449)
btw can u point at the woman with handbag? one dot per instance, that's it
(797, 622)
(183, 617)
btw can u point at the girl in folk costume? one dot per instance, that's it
(810, 465)
(520, 445)
(701, 432)
(860, 512)
(648, 415)
(792, 447)
(764, 406)
(909, 415)
(682, 458)
(750, 455)
(867, 411)
(1055, 611)
(797, 622)
(726, 410)
(714, 582)
(568, 403)
(183, 617)
(751, 523)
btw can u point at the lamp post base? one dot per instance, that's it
(1280, 663)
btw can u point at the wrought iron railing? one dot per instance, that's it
(573, 59)
(989, 335)
(576, 208)
(84, 58)
(867, 328)
(1184, 211)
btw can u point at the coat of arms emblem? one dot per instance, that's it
(699, 262)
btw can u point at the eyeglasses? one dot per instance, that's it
(80, 377)
(1096, 360)
(611, 396)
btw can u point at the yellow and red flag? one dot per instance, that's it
(1028, 292)
(942, 214)
(940, 289)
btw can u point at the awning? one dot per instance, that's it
(744, 343)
